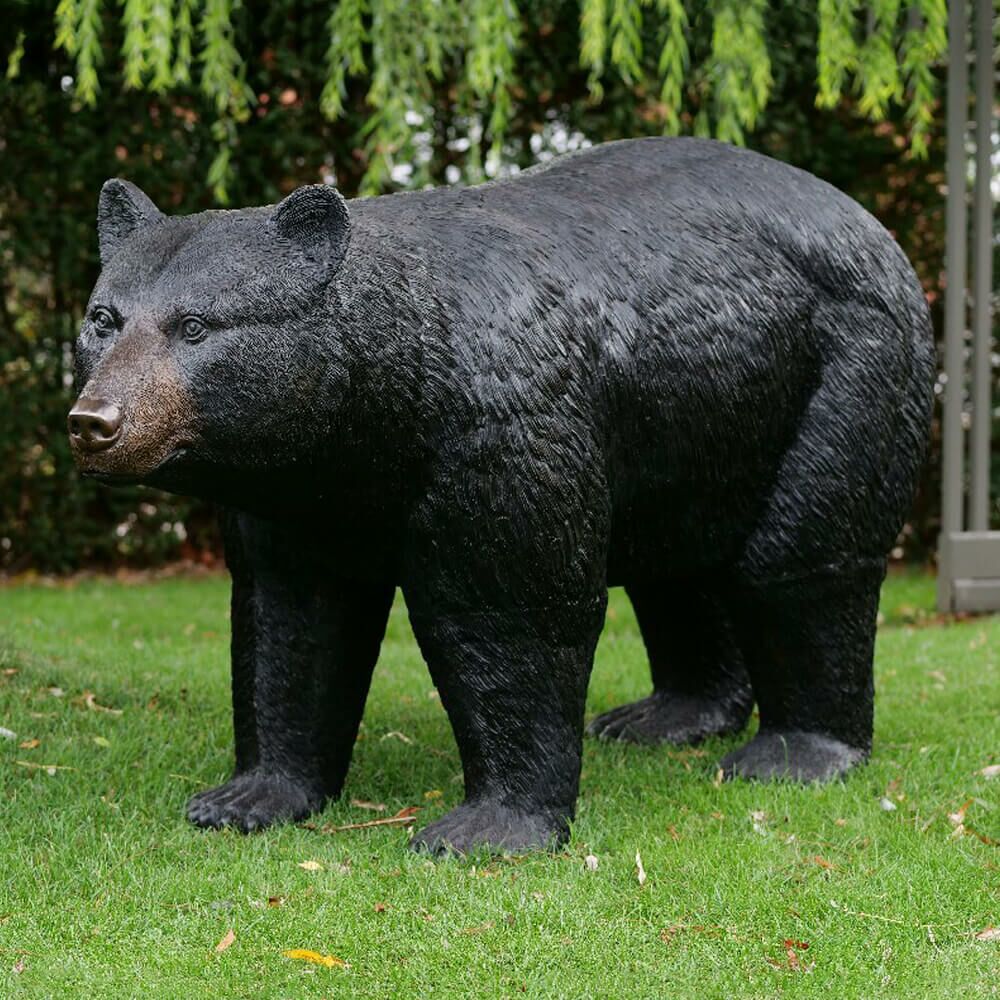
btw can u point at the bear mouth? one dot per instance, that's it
(175, 456)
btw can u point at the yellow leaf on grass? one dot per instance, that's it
(989, 934)
(226, 941)
(304, 955)
(102, 741)
(434, 793)
(30, 744)
(311, 866)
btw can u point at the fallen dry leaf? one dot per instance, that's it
(478, 929)
(275, 901)
(304, 955)
(989, 841)
(989, 934)
(30, 744)
(396, 735)
(381, 907)
(226, 941)
(822, 862)
(887, 805)
(667, 934)
(311, 866)
(378, 807)
(89, 701)
(18, 966)
(640, 871)
(957, 818)
(102, 741)
(792, 960)
(591, 862)
(719, 776)
(56, 692)
(9, 671)
(434, 793)
(992, 771)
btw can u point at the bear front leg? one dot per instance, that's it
(303, 653)
(513, 682)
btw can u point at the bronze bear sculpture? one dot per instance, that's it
(667, 364)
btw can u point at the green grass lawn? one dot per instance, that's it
(751, 890)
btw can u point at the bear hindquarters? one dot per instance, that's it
(806, 587)
(700, 685)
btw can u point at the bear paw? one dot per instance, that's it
(492, 827)
(666, 717)
(796, 756)
(252, 801)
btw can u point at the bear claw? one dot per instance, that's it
(666, 717)
(495, 828)
(252, 801)
(792, 755)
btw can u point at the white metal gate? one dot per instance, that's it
(968, 552)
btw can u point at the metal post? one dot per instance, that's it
(955, 260)
(982, 381)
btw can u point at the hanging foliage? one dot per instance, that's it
(880, 53)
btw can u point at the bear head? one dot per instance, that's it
(208, 347)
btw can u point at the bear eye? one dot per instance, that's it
(193, 329)
(103, 322)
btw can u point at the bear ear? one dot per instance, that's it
(121, 210)
(315, 218)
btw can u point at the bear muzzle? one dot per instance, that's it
(133, 431)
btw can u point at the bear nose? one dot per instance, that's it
(94, 424)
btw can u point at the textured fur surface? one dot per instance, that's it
(666, 363)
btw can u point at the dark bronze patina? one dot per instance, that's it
(666, 364)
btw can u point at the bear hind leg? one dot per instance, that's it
(700, 685)
(809, 645)
(806, 587)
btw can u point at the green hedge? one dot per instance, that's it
(56, 151)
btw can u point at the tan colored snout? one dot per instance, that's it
(94, 424)
(134, 412)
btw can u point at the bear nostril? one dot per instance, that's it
(94, 424)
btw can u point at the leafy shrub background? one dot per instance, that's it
(272, 97)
